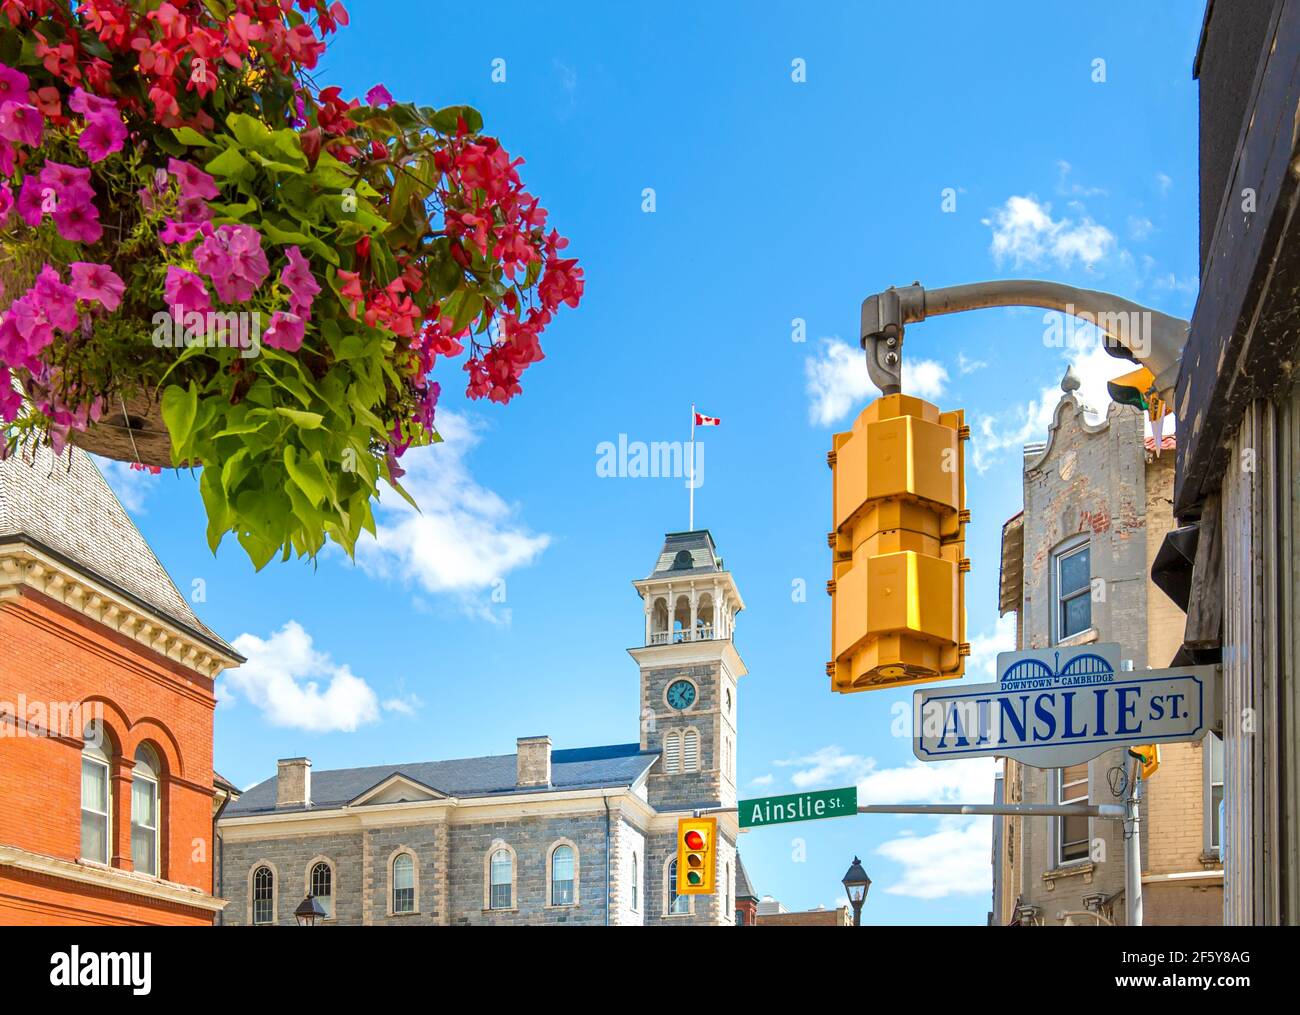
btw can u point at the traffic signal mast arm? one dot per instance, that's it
(1146, 336)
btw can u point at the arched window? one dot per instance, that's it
(678, 905)
(322, 887)
(691, 751)
(636, 883)
(672, 751)
(501, 880)
(263, 896)
(96, 794)
(564, 863)
(403, 883)
(145, 811)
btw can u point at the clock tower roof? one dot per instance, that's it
(687, 554)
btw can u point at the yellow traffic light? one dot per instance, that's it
(1149, 755)
(898, 611)
(697, 856)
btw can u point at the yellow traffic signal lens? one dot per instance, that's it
(695, 861)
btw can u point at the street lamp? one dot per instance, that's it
(309, 911)
(856, 884)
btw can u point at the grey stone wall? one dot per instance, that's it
(1090, 485)
(667, 791)
(531, 839)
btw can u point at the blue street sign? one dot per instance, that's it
(1062, 706)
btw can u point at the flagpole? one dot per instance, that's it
(692, 483)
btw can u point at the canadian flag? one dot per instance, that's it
(706, 420)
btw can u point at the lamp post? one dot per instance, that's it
(856, 884)
(308, 912)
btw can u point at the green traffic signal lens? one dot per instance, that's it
(694, 879)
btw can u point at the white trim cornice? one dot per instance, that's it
(110, 879)
(23, 566)
(688, 653)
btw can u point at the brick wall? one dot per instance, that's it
(53, 654)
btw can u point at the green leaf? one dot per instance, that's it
(307, 475)
(230, 165)
(179, 407)
(190, 136)
(305, 420)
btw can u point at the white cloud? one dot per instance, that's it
(1140, 227)
(1030, 422)
(132, 486)
(1064, 185)
(953, 860)
(838, 382)
(1164, 182)
(762, 780)
(969, 366)
(967, 781)
(283, 678)
(1025, 233)
(984, 648)
(464, 539)
(403, 704)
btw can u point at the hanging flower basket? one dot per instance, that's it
(206, 260)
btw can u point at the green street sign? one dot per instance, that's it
(777, 810)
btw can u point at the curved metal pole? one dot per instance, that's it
(1146, 336)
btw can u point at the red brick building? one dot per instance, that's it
(107, 793)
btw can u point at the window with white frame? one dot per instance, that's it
(1072, 578)
(563, 863)
(691, 751)
(672, 751)
(322, 887)
(501, 876)
(263, 896)
(636, 883)
(1072, 832)
(96, 795)
(1213, 766)
(144, 811)
(678, 905)
(403, 883)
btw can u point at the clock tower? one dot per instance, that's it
(690, 672)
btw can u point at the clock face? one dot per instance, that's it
(681, 694)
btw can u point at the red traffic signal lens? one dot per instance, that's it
(694, 840)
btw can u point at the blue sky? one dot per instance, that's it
(507, 609)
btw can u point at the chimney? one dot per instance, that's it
(293, 782)
(534, 764)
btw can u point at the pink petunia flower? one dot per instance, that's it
(178, 232)
(97, 283)
(286, 332)
(104, 134)
(185, 293)
(79, 223)
(58, 301)
(21, 123)
(6, 206)
(233, 258)
(301, 283)
(71, 184)
(8, 158)
(11, 402)
(89, 105)
(379, 96)
(14, 85)
(31, 201)
(193, 181)
(193, 209)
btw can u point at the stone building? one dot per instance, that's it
(108, 796)
(1075, 567)
(541, 836)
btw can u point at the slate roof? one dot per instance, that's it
(582, 768)
(687, 553)
(744, 890)
(64, 506)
